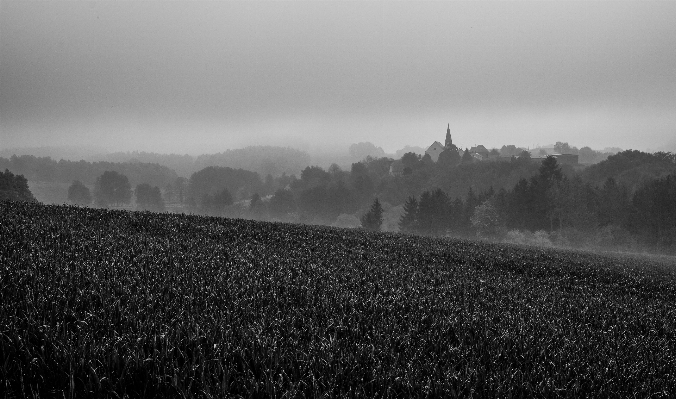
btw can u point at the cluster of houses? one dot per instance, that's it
(479, 153)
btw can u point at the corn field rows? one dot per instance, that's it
(97, 303)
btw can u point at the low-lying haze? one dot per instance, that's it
(192, 77)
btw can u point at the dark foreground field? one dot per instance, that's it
(98, 303)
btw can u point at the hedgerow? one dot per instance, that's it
(101, 303)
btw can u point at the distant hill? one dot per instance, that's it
(408, 148)
(263, 160)
(359, 151)
(46, 169)
(631, 168)
(71, 153)
(183, 165)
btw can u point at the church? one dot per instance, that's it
(397, 167)
(436, 148)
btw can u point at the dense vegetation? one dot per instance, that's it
(45, 169)
(624, 202)
(100, 303)
(263, 160)
(213, 179)
(570, 211)
(586, 155)
(631, 168)
(14, 188)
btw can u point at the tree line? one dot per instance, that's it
(567, 209)
(623, 201)
(265, 160)
(566, 206)
(45, 169)
(113, 189)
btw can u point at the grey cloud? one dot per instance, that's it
(246, 61)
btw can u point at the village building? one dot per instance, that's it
(481, 154)
(434, 150)
(397, 168)
(566, 159)
(437, 148)
(479, 150)
(561, 159)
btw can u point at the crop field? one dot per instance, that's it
(97, 303)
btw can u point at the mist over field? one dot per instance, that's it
(337, 199)
(205, 77)
(312, 112)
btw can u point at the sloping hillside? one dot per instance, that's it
(117, 303)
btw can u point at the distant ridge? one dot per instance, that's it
(263, 160)
(70, 153)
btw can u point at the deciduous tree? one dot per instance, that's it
(149, 198)
(112, 188)
(282, 203)
(486, 220)
(14, 187)
(79, 194)
(449, 158)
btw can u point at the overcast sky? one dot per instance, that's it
(193, 77)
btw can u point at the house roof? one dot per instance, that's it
(478, 149)
(435, 145)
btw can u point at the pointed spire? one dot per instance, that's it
(449, 141)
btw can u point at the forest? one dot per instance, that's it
(625, 202)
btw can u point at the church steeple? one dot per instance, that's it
(449, 141)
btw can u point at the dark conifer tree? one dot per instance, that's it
(373, 219)
(470, 203)
(550, 171)
(467, 157)
(408, 221)
(442, 209)
(541, 195)
(433, 212)
(456, 211)
(518, 205)
(538, 205)
(654, 213)
(614, 204)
